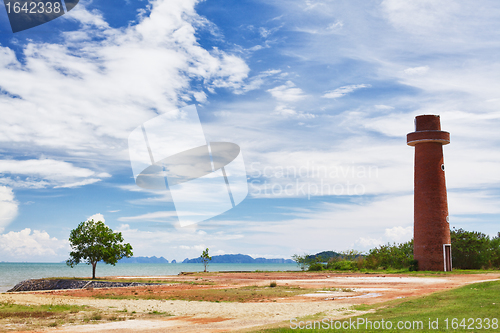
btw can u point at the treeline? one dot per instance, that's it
(470, 250)
(474, 250)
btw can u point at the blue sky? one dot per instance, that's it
(318, 94)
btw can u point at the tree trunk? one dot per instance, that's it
(93, 269)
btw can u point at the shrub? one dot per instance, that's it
(317, 266)
(273, 284)
(342, 265)
(395, 256)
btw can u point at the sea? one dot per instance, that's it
(13, 273)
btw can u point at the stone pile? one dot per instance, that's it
(50, 284)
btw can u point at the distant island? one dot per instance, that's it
(221, 259)
(239, 259)
(143, 260)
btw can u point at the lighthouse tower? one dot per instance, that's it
(431, 230)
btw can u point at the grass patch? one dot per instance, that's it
(405, 271)
(242, 294)
(480, 300)
(9, 310)
(33, 317)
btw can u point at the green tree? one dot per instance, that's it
(470, 249)
(494, 260)
(92, 242)
(303, 261)
(205, 258)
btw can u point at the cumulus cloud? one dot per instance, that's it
(287, 92)
(31, 245)
(342, 91)
(287, 95)
(97, 217)
(8, 207)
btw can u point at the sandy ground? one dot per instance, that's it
(196, 316)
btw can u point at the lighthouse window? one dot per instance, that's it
(442, 167)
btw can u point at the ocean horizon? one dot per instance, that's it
(11, 273)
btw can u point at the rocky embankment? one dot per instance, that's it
(52, 284)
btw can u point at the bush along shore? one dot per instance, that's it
(51, 284)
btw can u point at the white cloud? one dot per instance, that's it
(45, 172)
(332, 28)
(33, 246)
(358, 224)
(399, 234)
(416, 70)
(367, 242)
(198, 248)
(97, 217)
(342, 91)
(151, 217)
(421, 16)
(111, 85)
(384, 107)
(287, 95)
(8, 207)
(287, 92)
(335, 26)
(255, 82)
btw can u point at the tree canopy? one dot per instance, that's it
(92, 242)
(474, 250)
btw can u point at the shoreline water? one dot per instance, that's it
(13, 273)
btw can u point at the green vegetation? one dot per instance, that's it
(28, 317)
(241, 294)
(480, 301)
(302, 261)
(205, 258)
(474, 250)
(92, 242)
(396, 256)
(8, 310)
(470, 250)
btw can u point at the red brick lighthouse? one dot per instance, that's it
(431, 229)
